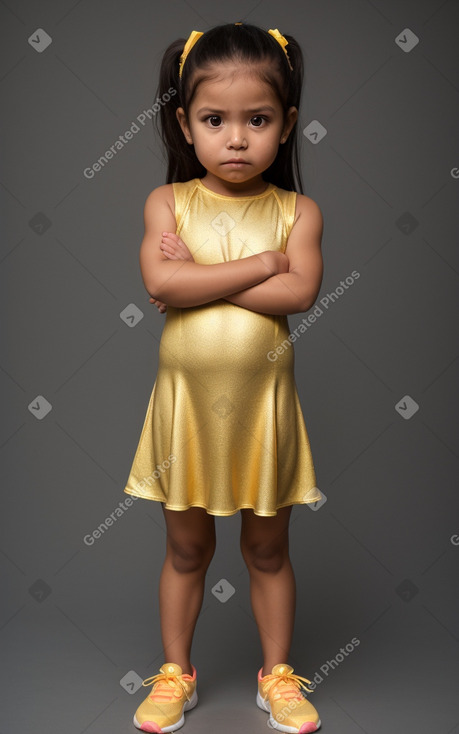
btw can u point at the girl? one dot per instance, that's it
(230, 249)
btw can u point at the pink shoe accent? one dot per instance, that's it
(187, 676)
(307, 727)
(151, 726)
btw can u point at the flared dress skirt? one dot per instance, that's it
(224, 428)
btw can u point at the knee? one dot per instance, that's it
(187, 557)
(269, 558)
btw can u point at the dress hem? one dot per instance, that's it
(220, 514)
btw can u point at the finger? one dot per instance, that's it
(182, 249)
(167, 247)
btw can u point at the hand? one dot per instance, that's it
(173, 248)
(161, 306)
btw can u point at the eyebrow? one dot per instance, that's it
(222, 112)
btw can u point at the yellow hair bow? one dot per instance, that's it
(195, 35)
(282, 41)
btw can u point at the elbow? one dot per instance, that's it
(153, 289)
(156, 289)
(164, 291)
(306, 305)
(166, 285)
(156, 286)
(310, 297)
(296, 305)
(149, 281)
(301, 298)
(307, 302)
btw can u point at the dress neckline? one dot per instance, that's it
(267, 191)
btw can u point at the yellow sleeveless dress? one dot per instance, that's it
(224, 428)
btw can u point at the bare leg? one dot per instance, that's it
(190, 547)
(264, 546)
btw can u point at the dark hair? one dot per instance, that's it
(244, 42)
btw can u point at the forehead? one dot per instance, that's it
(236, 83)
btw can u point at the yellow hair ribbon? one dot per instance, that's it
(282, 41)
(195, 35)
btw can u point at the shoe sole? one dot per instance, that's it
(187, 706)
(264, 705)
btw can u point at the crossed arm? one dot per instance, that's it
(296, 290)
(270, 282)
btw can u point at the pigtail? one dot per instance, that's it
(181, 158)
(296, 135)
(285, 171)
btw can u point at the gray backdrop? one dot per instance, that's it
(376, 562)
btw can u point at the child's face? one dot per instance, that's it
(228, 119)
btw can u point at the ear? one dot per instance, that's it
(181, 117)
(290, 119)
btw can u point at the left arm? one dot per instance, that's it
(297, 290)
(290, 292)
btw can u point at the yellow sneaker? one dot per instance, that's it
(173, 693)
(279, 693)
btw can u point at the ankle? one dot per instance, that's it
(187, 669)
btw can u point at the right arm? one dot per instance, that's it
(184, 283)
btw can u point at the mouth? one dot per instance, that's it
(235, 162)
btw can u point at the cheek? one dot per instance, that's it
(269, 148)
(208, 148)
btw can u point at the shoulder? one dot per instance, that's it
(162, 194)
(166, 194)
(309, 212)
(160, 198)
(307, 207)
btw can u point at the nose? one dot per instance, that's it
(236, 137)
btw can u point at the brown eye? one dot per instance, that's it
(214, 117)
